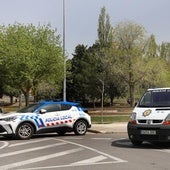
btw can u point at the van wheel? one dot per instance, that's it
(136, 142)
(24, 131)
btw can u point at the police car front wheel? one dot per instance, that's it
(24, 131)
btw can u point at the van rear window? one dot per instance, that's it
(155, 99)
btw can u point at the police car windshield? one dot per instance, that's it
(157, 98)
(30, 108)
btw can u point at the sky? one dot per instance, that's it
(81, 17)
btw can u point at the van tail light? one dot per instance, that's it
(167, 120)
(133, 122)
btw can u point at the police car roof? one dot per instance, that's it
(60, 102)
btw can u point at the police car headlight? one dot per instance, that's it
(133, 118)
(9, 119)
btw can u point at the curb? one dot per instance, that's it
(109, 128)
(93, 131)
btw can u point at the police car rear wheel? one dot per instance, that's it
(24, 131)
(80, 127)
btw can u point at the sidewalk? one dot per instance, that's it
(109, 128)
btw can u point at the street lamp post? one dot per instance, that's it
(64, 82)
(102, 91)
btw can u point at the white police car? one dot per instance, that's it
(45, 117)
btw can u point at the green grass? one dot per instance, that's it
(110, 119)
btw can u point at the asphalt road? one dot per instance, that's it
(89, 152)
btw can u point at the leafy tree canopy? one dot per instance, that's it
(29, 55)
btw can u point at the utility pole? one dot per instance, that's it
(102, 91)
(64, 82)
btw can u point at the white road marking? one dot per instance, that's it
(5, 144)
(69, 165)
(90, 160)
(29, 142)
(76, 138)
(38, 159)
(163, 150)
(30, 150)
(94, 150)
(123, 138)
(101, 138)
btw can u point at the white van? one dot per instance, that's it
(150, 120)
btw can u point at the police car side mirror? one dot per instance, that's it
(42, 111)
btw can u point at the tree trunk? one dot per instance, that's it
(26, 95)
(132, 91)
(11, 100)
(27, 98)
(20, 101)
(111, 101)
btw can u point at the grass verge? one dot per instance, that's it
(109, 119)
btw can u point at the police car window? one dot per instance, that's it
(65, 106)
(31, 108)
(52, 107)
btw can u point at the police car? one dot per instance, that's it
(45, 117)
(150, 120)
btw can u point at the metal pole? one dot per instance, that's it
(64, 82)
(102, 99)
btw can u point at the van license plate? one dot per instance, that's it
(148, 132)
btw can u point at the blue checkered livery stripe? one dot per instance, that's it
(35, 118)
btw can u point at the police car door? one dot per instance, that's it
(51, 116)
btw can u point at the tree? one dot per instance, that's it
(104, 29)
(31, 55)
(165, 51)
(157, 67)
(83, 74)
(165, 56)
(132, 65)
(151, 47)
(105, 55)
